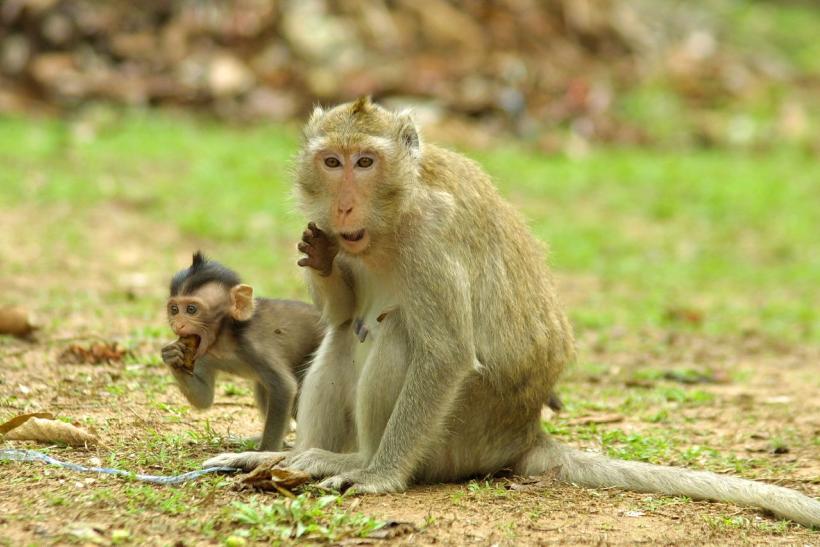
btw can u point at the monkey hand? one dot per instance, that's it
(366, 481)
(246, 461)
(173, 355)
(319, 248)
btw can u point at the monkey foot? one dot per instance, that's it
(365, 482)
(320, 463)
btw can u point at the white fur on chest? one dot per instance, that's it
(376, 293)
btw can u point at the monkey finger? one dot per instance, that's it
(307, 236)
(241, 460)
(304, 247)
(169, 354)
(313, 228)
(338, 483)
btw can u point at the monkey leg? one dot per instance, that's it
(325, 433)
(277, 391)
(377, 389)
(380, 384)
(327, 399)
(260, 394)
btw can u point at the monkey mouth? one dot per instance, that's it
(353, 236)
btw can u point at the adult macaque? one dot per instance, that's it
(445, 334)
(222, 327)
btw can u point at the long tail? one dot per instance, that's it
(598, 471)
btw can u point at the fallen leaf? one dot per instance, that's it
(599, 419)
(684, 315)
(267, 476)
(88, 532)
(694, 377)
(634, 382)
(16, 321)
(21, 419)
(393, 529)
(93, 354)
(42, 426)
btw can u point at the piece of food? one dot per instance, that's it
(191, 344)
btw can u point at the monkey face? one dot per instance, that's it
(356, 162)
(199, 314)
(350, 177)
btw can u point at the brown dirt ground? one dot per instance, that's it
(776, 397)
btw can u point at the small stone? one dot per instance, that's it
(235, 541)
(119, 536)
(228, 76)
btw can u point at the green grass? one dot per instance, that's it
(731, 235)
(303, 517)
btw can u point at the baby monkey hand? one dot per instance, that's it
(177, 355)
(319, 248)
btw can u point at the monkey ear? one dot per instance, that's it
(242, 304)
(408, 134)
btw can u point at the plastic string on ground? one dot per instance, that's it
(35, 456)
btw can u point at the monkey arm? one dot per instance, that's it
(333, 294)
(198, 387)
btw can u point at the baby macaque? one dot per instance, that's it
(222, 327)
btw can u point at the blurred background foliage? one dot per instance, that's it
(665, 149)
(558, 74)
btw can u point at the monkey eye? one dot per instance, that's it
(174, 309)
(191, 309)
(364, 162)
(332, 162)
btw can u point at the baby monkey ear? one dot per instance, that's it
(242, 302)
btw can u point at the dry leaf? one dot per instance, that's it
(393, 529)
(16, 321)
(634, 382)
(94, 354)
(269, 477)
(684, 315)
(22, 418)
(599, 419)
(43, 427)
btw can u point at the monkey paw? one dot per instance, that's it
(319, 248)
(243, 460)
(365, 481)
(320, 463)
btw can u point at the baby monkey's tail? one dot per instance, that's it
(598, 471)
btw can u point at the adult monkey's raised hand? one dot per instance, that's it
(445, 336)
